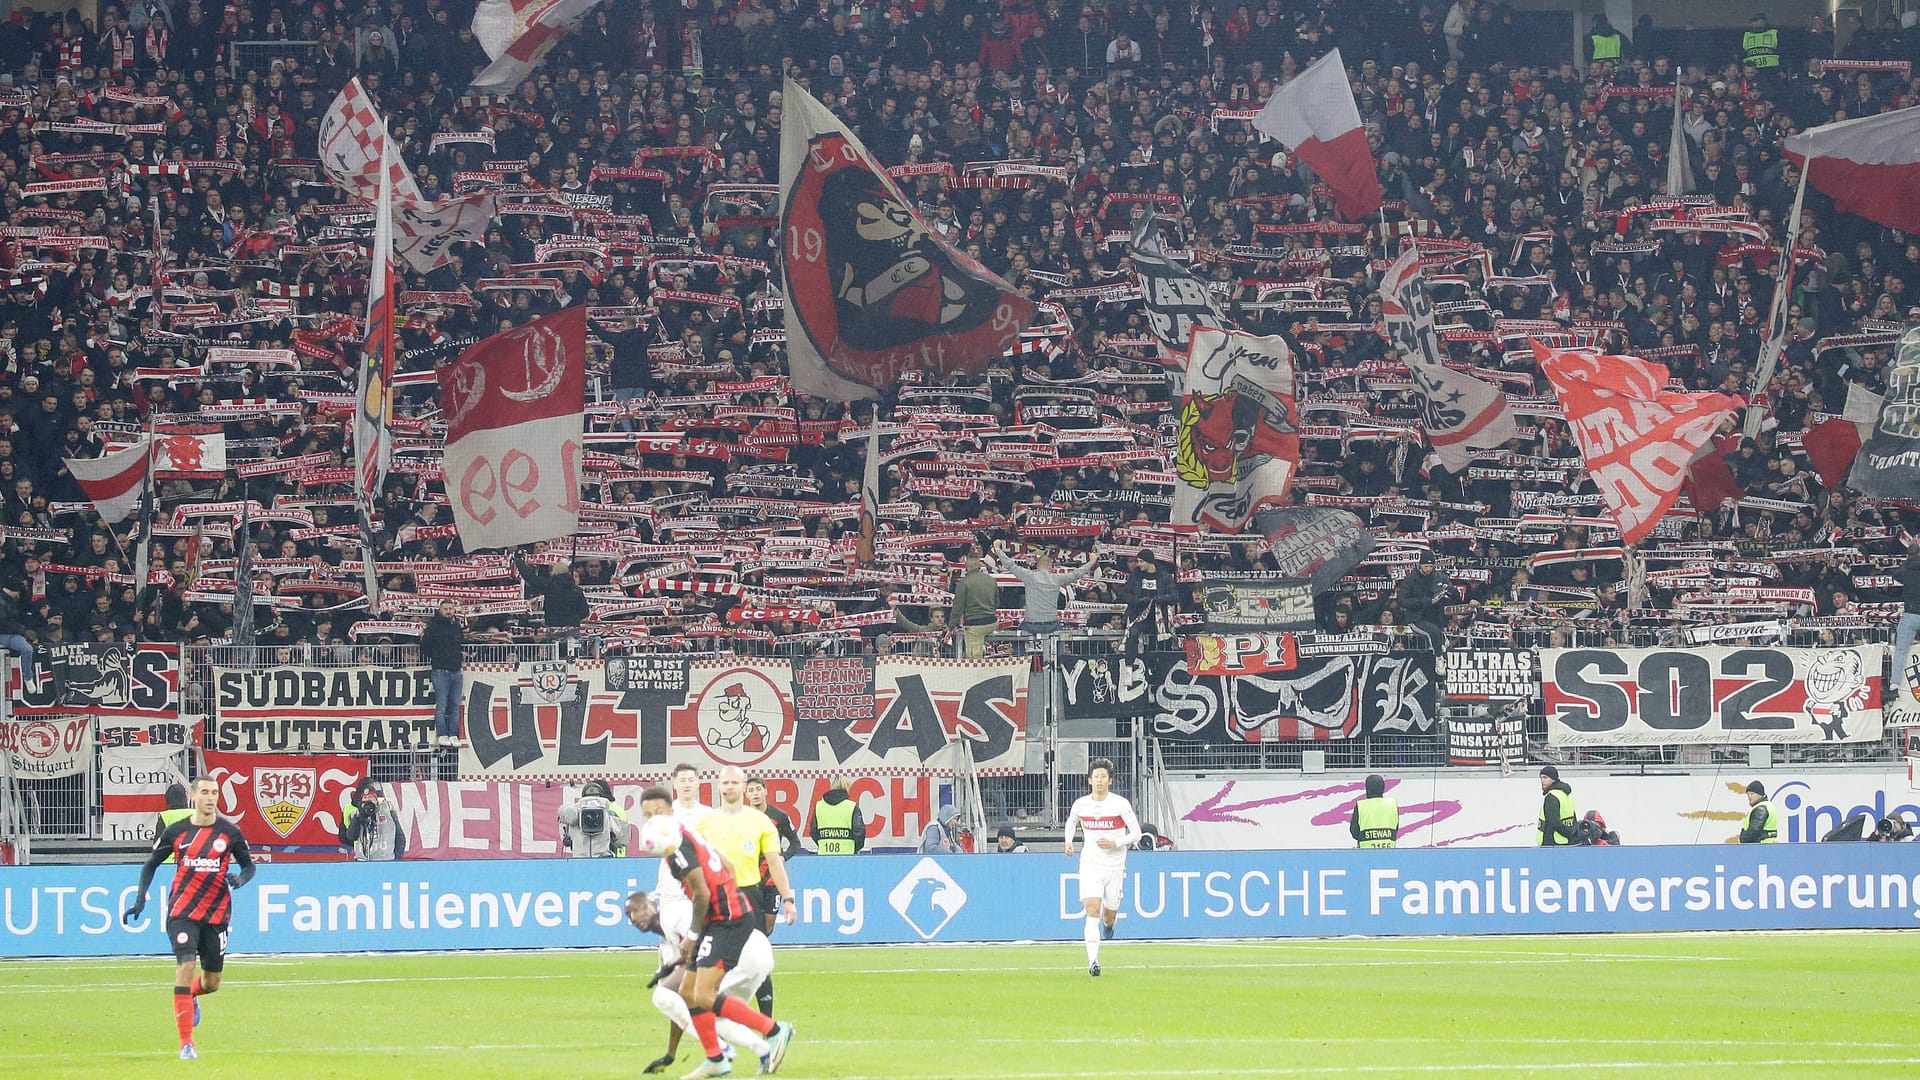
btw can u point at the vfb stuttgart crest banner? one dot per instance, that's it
(1239, 440)
(872, 292)
(286, 798)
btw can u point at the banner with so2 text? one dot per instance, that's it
(634, 717)
(1711, 694)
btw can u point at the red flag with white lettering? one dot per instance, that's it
(514, 405)
(1639, 438)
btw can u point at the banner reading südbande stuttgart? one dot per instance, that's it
(295, 908)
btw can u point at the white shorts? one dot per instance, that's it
(756, 963)
(1102, 883)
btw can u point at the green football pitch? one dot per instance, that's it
(1672, 1005)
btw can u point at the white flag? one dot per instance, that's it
(1460, 413)
(115, 482)
(353, 140)
(517, 33)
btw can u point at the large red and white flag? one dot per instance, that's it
(872, 292)
(514, 405)
(371, 446)
(517, 33)
(1638, 437)
(1239, 440)
(1460, 413)
(1870, 166)
(1316, 118)
(354, 141)
(115, 482)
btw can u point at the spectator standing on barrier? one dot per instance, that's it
(1420, 594)
(1376, 818)
(1042, 586)
(1149, 594)
(945, 836)
(441, 643)
(1557, 815)
(1908, 627)
(200, 902)
(1763, 821)
(976, 607)
(593, 826)
(371, 828)
(837, 826)
(13, 636)
(1007, 842)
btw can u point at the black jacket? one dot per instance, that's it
(440, 642)
(836, 797)
(1560, 828)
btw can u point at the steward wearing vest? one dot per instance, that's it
(1557, 816)
(1376, 818)
(1763, 821)
(1604, 42)
(177, 809)
(1760, 45)
(837, 825)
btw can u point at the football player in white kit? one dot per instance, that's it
(669, 913)
(1111, 829)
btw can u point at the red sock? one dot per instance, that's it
(732, 1008)
(703, 1027)
(183, 1013)
(199, 987)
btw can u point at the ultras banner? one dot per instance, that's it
(633, 717)
(1322, 698)
(103, 678)
(1710, 694)
(321, 710)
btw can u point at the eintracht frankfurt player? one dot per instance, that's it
(1111, 829)
(201, 902)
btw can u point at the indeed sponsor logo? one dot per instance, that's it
(1808, 820)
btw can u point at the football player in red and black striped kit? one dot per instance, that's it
(200, 905)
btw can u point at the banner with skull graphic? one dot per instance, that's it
(873, 292)
(1322, 698)
(1712, 695)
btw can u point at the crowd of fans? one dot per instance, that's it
(1529, 176)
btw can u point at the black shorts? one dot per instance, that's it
(766, 901)
(192, 939)
(721, 943)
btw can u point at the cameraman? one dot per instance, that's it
(593, 825)
(370, 827)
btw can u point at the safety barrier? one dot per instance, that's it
(74, 911)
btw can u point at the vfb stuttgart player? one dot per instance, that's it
(200, 905)
(1111, 829)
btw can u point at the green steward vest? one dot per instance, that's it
(1603, 46)
(1379, 821)
(1763, 48)
(833, 824)
(1770, 832)
(1563, 801)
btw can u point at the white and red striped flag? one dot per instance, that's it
(517, 33)
(115, 482)
(1870, 166)
(1315, 116)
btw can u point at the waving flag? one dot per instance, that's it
(1239, 440)
(1460, 413)
(872, 292)
(517, 33)
(372, 450)
(1316, 118)
(1176, 299)
(1886, 465)
(1638, 438)
(353, 142)
(515, 405)
(1870, 166)
(115, 481)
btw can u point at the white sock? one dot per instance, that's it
(741, 1036)
(1093, 939)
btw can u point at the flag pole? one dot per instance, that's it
(1776, 341)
